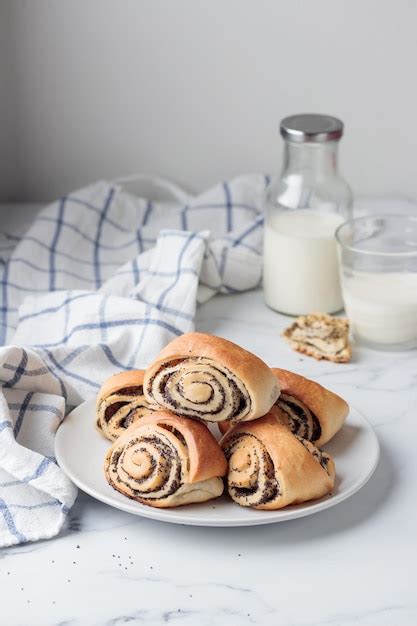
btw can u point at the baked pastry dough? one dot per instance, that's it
(270, 468)
(308, 409)
(211, 379)
(164, 460)
(321, 336)
(120, 402)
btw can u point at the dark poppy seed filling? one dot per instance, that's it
(300, 419)
(119, 410)
(164, 379)
(176, 432)
(169, 399)
(318, 455)
(168, 453)
(179, 388)
(128, 419)
(242, 401)
(324, 462)
(316, 429)
(270, 493)
(251, 479)
(136, 390)
(112, 410)
(199, 387)
(115, 458)
(146, 448)
(243, 492)
(152, 465)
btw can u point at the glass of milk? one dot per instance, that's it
(303, 209)
(378, 266)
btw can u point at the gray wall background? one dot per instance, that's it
(194, 89)
(8, 135)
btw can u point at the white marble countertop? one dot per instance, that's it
(353, 564)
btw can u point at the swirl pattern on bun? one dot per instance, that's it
(210, 379)
(164, 460)
(270, 468)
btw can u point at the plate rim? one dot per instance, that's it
(265, 517)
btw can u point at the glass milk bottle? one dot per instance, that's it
(304, 207)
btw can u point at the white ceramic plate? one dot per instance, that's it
(80, 451)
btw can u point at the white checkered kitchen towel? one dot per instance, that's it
(100, 283)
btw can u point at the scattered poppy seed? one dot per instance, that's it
(78, 547)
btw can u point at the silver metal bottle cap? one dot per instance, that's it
(311, 127)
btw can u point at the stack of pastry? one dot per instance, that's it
(272, 421)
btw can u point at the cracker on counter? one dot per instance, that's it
(321, 336)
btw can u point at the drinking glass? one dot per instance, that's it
(378, 269)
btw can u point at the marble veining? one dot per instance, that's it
(354, 564)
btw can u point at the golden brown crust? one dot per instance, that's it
(321, 336)
(131, 378)
(299, 474)
(255, 375)
(329, 408)
(225, 426)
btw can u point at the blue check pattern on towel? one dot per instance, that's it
(100, 283)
